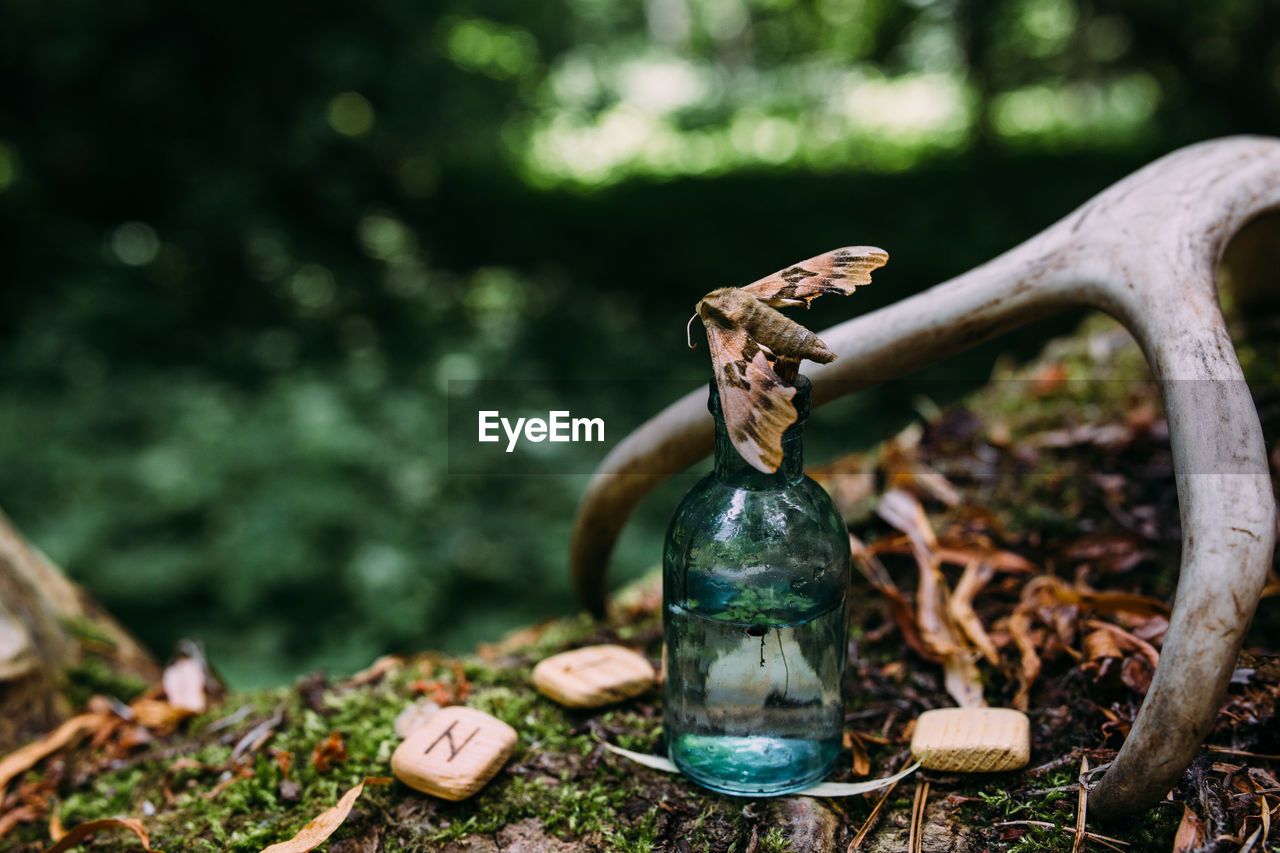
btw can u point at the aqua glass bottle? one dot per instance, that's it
(755, 572)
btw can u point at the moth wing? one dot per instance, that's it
(755, 401)
(838, 271)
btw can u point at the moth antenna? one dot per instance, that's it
(688, 331)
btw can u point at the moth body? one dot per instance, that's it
(732, 307)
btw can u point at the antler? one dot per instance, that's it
(1145, 251)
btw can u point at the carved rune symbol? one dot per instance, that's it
(448, 734)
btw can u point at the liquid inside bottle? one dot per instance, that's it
(755, 572)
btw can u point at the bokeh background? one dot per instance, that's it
(246, 248)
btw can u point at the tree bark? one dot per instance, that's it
(48, 627)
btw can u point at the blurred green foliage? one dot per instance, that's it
(245, 249)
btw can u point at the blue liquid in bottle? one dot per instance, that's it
(755, 570)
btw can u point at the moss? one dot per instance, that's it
(88, 632)
(775, 841)
(94, 675)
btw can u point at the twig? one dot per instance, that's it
(1044, 792)
(1060, 761)
(1082, 805)
(1228, 751)
(230, 719)
(1101, 839)
(257, 736)
(1072, 786)
(915, 839)
(871, 820)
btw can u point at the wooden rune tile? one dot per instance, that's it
(454, 754)
(593, 676)
(972, 740)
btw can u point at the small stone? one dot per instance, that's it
(972, 740)
(593, 676)
(807, 824)
(454, 754)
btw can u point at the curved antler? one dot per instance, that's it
(1145, 251)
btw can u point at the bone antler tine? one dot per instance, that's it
(1145, 251)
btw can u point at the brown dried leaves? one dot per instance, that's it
(940, 632)
(324, 824)
(80, 832)
(328, 752)
(28, 756)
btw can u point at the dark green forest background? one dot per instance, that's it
(244, 249)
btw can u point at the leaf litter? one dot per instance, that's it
(1013, 561)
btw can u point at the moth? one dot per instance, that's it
(756, 350)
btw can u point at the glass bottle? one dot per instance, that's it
(755, 571)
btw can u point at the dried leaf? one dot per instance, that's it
(861, 760)
(1152, 630)
(377, 670)
(324, 824)
(1191, 832)
(171, 773)
(158, 715)
(1004, 561)
(924, 481)
(904, 512)
(239, 771)
(976, 575)
(1101, 435)
(22, 760)
(1136, 674)
(899, 608)
(1020, 631)
(1099, 644)
(1110, 553)
(284, 760)
(328, 752)
(461, 687)
(933, 616)
(963, 681)
(1265, 816)
(80, 832)
(56, 830)
(1127, 641)
(22, 814)
(184, 681)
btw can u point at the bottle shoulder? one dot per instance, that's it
(718, 526)
(803, 502)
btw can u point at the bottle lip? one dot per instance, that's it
(800, 400)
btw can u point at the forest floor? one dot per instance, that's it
(1044, 509)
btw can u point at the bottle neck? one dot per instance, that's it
(731, 468)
